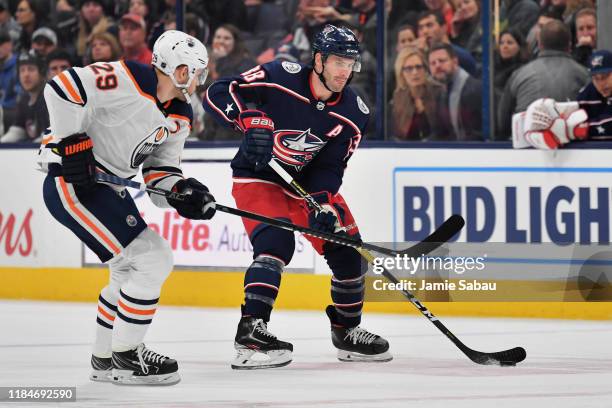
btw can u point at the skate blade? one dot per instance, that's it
(101, 375)
(248, 359)
(351, 356)
(126, 377)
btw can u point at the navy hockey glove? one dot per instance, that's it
(326, 220)
(199, 204)
(78, 163)
(258, 137)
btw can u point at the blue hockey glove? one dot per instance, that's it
(258, 137)
(327, 220)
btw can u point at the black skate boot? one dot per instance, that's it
(102, 369)
(258, 348)
(356, 343)
(142, 366)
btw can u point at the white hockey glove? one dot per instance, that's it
(549, 125)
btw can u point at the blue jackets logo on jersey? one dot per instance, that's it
(148, 146)
(296, 147)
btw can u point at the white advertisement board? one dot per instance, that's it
(221, 242)
(395, 194)
(29, 236)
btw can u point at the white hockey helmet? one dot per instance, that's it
(175, 48)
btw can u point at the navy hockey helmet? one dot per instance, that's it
(338, 41)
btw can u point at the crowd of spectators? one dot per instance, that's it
(434, 54)
(541, 51)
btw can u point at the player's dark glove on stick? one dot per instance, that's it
(327, 220)
(198, 204)
(78, 163)
(258, 137)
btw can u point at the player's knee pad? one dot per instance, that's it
(345, 262)
(150, 258)
(119, 268)
(275, 242)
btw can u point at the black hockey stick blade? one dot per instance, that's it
(441, 235)
(502, 358)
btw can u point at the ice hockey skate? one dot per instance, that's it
(258, 348)
(356, 343)
(102, 369)
(142, 366)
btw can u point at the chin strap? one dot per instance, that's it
(183, 87)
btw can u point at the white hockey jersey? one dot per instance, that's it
(115, 104)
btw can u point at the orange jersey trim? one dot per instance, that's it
(155, 176)
(73, 93)
(86, 220)
(146, 95)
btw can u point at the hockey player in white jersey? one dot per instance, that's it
(114, 117)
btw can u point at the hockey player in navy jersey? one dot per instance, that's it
(596, 97)
(114, 117)
(550, 124)
(310, 121)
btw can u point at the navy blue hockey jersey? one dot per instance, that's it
(599, 111)
(312, 139)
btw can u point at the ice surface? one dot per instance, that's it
(569, 363)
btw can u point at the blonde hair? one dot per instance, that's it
(403, 55)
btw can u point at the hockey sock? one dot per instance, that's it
(347, 295)
(347, 284)
(107, 309)
(134, 315)
(261, 283)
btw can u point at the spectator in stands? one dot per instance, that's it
(445, 9)
(511, 54)
(596, 97)
(416, 99)
(547, 15)
(466, 28)
(229, 56)
(221, 12)
(461, 113)
(44, 40)
(147, 9)
(8, 23)
(432, 30)
(58, 61)
(406, 37)
(586, 35)
(521, 15)
(574, 6)
(361, 14)
(9, 82)
(32, 117)
(104, 48)
(554, 74)
(287, 52)
(92, 20)
(30, 15)
(132, 38)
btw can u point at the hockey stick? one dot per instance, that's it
(504, 358)
(449, 228)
